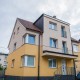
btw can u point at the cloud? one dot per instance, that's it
(31, 9)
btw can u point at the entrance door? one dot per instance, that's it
(63, 66)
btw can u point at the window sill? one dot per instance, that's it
(63, 36)
(53, 67)
(28, 66)
(53, 29)
(53, 47)
(30, 44)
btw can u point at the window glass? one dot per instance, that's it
(52, 63)
(28, 61)
(75, 48)
(53, 43)
(52, 26)
(14, 46)
(30, 39)
(12, 63)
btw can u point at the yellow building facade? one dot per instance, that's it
(76, 51)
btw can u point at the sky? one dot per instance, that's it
(67, 10)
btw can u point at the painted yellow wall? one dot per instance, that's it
(78, 61)
(18, 70)
(27, 49)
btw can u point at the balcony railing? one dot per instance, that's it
(64, 34)
(65, 50)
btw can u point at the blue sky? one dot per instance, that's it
(67, 10)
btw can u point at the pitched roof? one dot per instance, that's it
(3, 53)
(74, 40)
(29, 25)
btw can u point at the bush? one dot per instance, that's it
(1, 68)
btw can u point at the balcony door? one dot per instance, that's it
(64, 49)
(63, 66)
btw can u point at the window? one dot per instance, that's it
(52, 26)
(17, 30)
(75, 48)
(13, 34)
(52, 63)
(53, 42)
(0, 59)
(30, 39)
(28, 61)
(63, 32)
(13, 63)
(64, 47)
(14, 46)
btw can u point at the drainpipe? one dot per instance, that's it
(39, 58)
(74, 62)
(74, 68)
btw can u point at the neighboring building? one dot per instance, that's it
(40, 50)
(76, 51)
(3, 60)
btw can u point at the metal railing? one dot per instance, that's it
(58, 74)
(64, 34)
(65, 50)
(69, 71)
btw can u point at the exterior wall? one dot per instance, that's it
(3, 60)
(18, 70)
(57, 35)
(40, 23)
(77, 60)
(18, 37)
(45, 71)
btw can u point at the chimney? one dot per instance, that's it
(54, 16)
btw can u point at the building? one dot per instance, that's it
(3, 60)
(41, 50)
(76, 51)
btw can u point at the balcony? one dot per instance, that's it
(56, 52)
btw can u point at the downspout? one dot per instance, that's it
(39, 58)
(74, 68)
(73, 62)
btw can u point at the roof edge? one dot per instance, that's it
(59, 20)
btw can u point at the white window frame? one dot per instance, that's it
(51, 27)
(51, 45)
(52, 63)
(76, 48)
(25, 63)
(26, 38)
